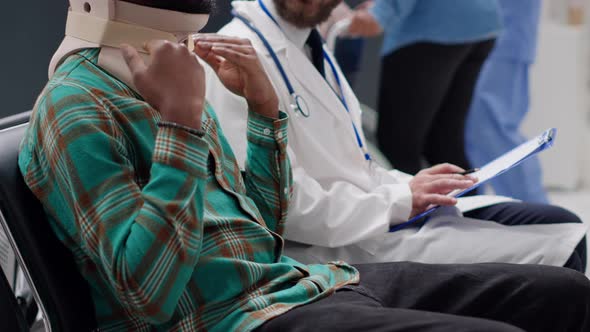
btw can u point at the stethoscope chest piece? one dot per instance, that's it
(299, 106)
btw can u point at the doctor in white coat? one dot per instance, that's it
(343, 204)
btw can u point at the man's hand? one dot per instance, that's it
(236, 63)
(431, 186)
(173, 83)
(364, 24)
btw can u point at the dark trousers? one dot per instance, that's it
(512, 214)
(348, 54)
(454, 298)
(425, 94)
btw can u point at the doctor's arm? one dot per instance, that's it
(338, 213)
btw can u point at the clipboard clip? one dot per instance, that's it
(547, 136)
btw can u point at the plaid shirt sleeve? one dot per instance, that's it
(146, 240)
(268, 176)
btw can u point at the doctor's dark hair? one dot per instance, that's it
(185, 6)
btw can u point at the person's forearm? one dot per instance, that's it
(268, 172)
(269, 109)
(162, 241)
(144, 237)
(338, 213)
(177, 113)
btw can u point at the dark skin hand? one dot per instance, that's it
(173, 82)
(236, 63)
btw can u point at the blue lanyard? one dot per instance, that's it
(343, 100)
(286, 78)
(267, 45)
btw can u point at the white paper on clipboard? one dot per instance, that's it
(511, 159)
(498, 166)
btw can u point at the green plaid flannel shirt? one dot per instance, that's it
(163, 225)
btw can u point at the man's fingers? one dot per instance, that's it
(203, 51)
(444, 169)
(238, 58)
(444, 186)
(452, 176)
(133, 59)
(246, 49)
(215, 38)
(154, 44)
(436, 199)
(426, 201)
(430, 178)
(214, 61)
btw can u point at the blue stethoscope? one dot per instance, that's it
(298, 104)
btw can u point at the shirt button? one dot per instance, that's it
(286, 191)
(280, 135)
(266, 131)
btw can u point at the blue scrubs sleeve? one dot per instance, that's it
(388, 11)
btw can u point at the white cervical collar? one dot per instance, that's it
(109, 23)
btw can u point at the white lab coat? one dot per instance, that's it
(342, 205)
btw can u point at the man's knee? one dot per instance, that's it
(561, 286)
(535, 213)
(561, 215)
(577, 284)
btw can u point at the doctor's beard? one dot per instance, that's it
(306, 13)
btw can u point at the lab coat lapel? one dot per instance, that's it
(251, 10)
(306, 77)
(306, 80)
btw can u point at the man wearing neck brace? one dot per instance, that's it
(139, 182)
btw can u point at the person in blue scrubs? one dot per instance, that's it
(501, 102)
(432, 55)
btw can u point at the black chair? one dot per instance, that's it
(11, 316)
(60, 291)
(15, 120)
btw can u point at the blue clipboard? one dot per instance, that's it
(495, 168)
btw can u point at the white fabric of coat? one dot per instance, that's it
(342, 205)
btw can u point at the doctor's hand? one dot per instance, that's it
(430, 186)
(173, 83)
(236, 63)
